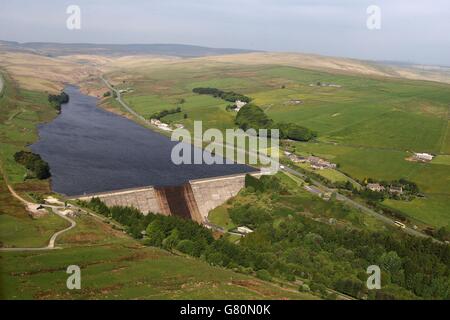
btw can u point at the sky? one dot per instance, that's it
(416, 31)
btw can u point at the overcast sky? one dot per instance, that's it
(411, 30)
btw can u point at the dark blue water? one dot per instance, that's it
(91, 150)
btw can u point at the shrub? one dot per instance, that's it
(34, 163)
(263, 275)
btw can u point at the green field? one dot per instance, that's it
(21, 110)
(368, 125)
(113, 266)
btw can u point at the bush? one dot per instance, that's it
(228, 96)
(162, 114)
(186, 246)
(295, 132)
(56, 100)
(263, 275)
(34, 163)
(253, 117)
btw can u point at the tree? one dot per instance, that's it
(263, 275)
(186, 246)
(172, 240)
(253, 117)
(391, 262)
(34, 163)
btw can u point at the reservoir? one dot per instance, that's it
(91, 150)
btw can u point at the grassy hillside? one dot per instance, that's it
(113, 266)
(21, 111)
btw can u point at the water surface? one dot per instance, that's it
(91, 150)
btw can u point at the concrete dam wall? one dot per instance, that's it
(193, 200)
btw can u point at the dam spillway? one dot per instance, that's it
(192, 200)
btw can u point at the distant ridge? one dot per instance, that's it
(62, 49)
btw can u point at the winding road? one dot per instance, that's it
(52, 242)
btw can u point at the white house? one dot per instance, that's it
(244, 229)
(423, 156)
(239, 104)
(376, 187)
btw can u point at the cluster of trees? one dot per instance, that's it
(134, 221)
(34, 163)
(295, 132)
(162, 114)
(263, 184)
(252, 116)
(56, 100)
(225, 95)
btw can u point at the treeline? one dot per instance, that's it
(225, 95)
(34, 163)
(162, 114)
(56, 100)
(134, 221)
(252, 116)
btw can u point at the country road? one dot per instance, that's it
(51, 244)
(28, 205)
(357, 205)
(119, 99)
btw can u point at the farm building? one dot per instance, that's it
(423, 156)
(239, 104)
(317, 163)
(244, 230)
(396, 190)
(375, 187)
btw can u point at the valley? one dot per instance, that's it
(369, 119)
